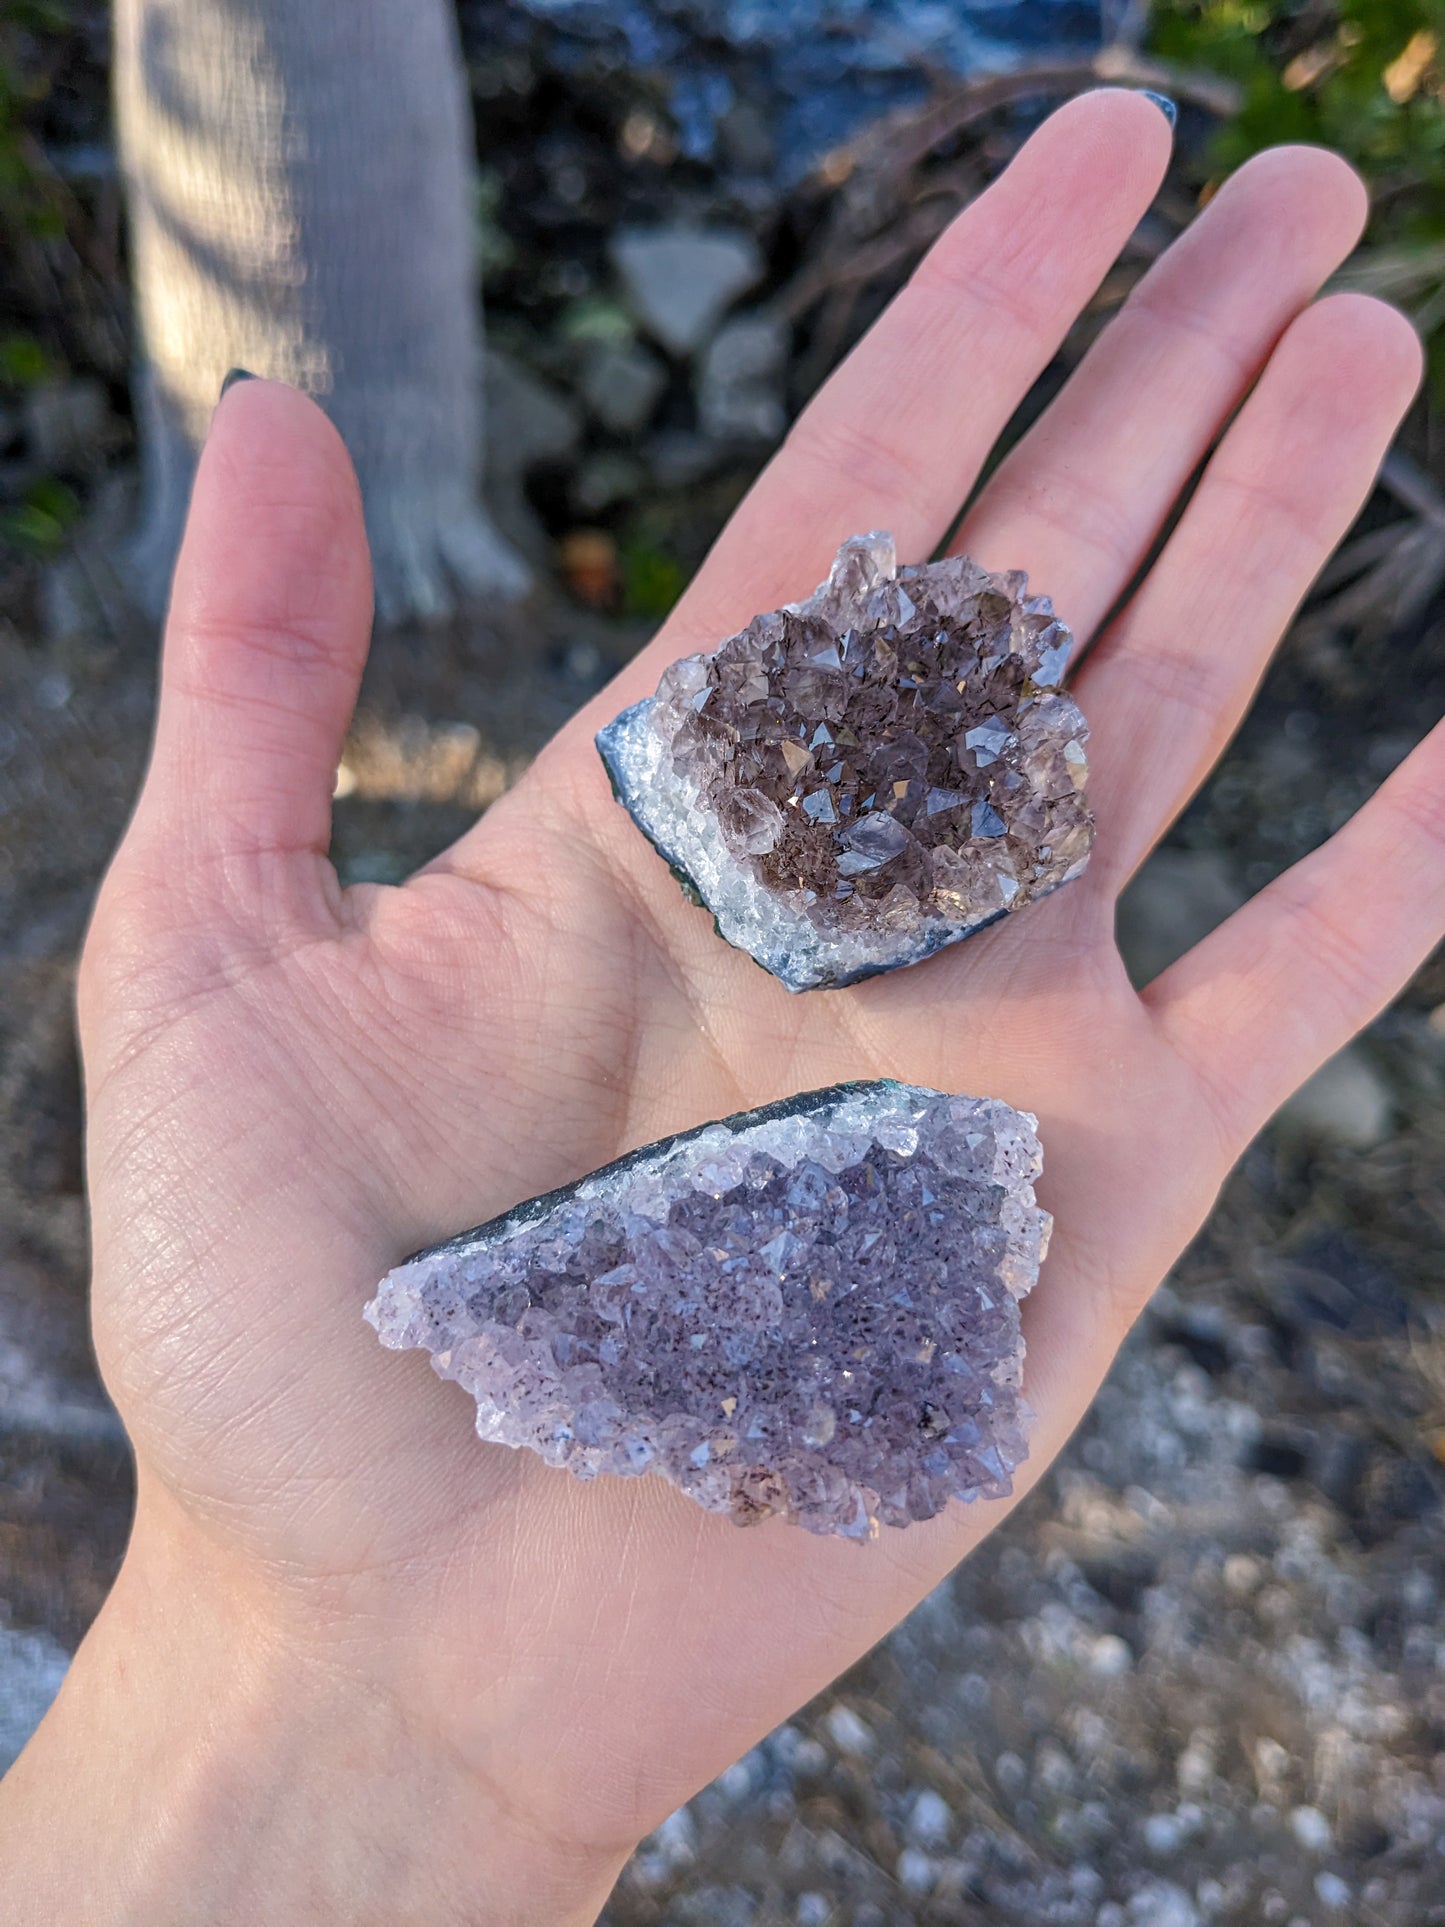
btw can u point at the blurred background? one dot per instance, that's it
(1200, 1677)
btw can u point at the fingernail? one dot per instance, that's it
(236, 374)
(1163, 103)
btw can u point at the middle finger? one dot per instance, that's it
(1082, 497)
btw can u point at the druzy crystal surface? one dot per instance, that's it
(854, 781)
(810, 1310)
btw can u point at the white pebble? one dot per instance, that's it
(736, 1782)
(1311, 1829)
(1110, 1656)
(813, 1910)
(1163, 1833)
(847, 1731)
(930, 1820)
(1242, 1574)
(1194, 1768)
(915, 1871)
(1332, 1892)
(1162, 1904)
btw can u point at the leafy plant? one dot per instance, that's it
(1364, 76)
(39, 523)
(23, 361)
(652, 580)
(22, 88)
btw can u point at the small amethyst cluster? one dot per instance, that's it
(810, 1310)
(856, 780)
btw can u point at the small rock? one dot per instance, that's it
(736, 1782)
(1347, 1102)
(915, 1871)
(681, 280)
(1311, 1829)
(1194, 1769)
(1332, 1892)
(930, 1819)
(1242, 1575)
(1110, 1657)
(1177, 898)
(1164, 1834)
(849, 1733)
(1085, 1881)
(622, 384)
(1162, 1904)
(813, 1910)
(740, 389)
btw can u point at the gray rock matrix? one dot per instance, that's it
(810, 1309)
(854, 781)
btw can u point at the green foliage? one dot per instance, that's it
(39, 523)
(23, 361)
(652, 580)
(23, 195)
(1366, 77)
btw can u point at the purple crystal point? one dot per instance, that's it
(854, 781)
(810, 1309)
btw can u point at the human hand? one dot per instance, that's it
(499, 1676)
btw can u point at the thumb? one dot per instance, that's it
(265, 642)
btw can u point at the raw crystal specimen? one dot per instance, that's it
(810, 1309)
(854, 781)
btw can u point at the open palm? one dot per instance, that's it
(292, 1086)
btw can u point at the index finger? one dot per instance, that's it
(896, 437)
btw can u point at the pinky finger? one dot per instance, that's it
(1290, 978)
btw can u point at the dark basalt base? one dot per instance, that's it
(810, 1309)
(852, 782)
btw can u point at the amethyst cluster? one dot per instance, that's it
(810, 1310)
(854, 781)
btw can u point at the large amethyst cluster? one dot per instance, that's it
(854, 781)
(810, 1309)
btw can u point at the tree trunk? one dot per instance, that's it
(300, 179)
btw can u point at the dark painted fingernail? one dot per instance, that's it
(1163, 103)
(236, 374)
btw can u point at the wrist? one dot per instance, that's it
(207, 1762)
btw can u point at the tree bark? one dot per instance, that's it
(300, 178)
